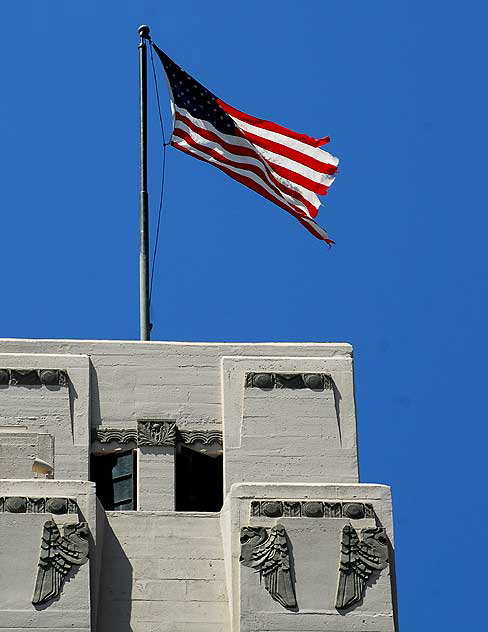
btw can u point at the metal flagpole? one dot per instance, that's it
(145, 326)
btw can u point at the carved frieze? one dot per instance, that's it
(313, 381)
(360, 558)
(266, 551)
(272, 508)
(26, 504)
(33, 377)
(199, 436)
(157, 432)
(59, 553)
(107, 435)
(311, 509)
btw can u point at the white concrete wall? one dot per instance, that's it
(162, 572)
(289, 435)
(315, 546)
(19, 449)
(61, 411)
(20, 541)
(156, 478)
(165, 380)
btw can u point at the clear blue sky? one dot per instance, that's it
(401, 89)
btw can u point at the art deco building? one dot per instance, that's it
(183, 487)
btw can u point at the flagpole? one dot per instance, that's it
(145, 327)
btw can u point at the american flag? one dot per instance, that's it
(288, 168)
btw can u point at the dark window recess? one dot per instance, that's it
(198, 480)
(114, 475)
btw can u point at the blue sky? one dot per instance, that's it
(401, 89)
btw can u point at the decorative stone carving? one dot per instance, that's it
(292, 509)
(57, 505)
(206, 437)
(272, 508)
(36, 505)
(255, 508)
(27, 377)
(59, 553)
(332, 510)
(20, 504)
(33, 377)
(106, 435)
(16, 504)
(311, 509)
(51, 377)
(359, 559)
(156, 432)
(313, 381)
(260, 380)
(266, 551)
(353, 510)
(152, 432)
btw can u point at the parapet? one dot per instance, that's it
(202, 455)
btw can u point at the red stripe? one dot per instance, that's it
(320, 189)
(272, 127)
(205, 133)
(242, 179)
(293, 176)
(274, 183)
(256, 187)
(293, 154)
(277, 187)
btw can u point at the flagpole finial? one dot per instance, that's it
(144, 31)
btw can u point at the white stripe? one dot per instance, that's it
(316, 176)
(305, 193)
(242, 142)
(284, 161)
(244, 172)
(321, 231)
(228, 138)
(313, 152)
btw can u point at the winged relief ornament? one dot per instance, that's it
(266, 551)
(59, 553)
(360, 558)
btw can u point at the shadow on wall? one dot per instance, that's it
(95, 416)
(115, 588)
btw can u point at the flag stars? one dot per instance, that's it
(196, 99)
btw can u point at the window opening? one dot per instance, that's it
(115, 476)
(198, 479)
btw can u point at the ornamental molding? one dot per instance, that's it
(311, 509)
(29, 504)
(33, 377)
(206, 437)
(156, 432)
(107, 435)
(312, 381)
